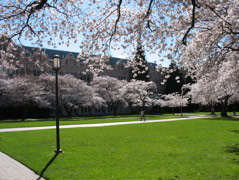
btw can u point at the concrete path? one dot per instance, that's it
(98, 125)
(11, 169)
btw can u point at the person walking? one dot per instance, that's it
(142, 115)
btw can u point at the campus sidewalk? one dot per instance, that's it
(99, 124)
(11, 169)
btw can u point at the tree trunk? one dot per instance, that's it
(25, 110)
(212, 111)
(68, 111)
(114, 110)
(224, 107)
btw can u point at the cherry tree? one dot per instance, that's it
(3, 90)
(109, 89)
(174, 100)
(138, 93)
(72, 92)
(24, 93)
(195, 33)
(227, 85)
(75, 92)
(203, 92)
(220, 86)
(10, 54)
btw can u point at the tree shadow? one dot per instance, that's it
(175, 178)
(47, 166)
(235, 131)
(229, 118)
(233, 149)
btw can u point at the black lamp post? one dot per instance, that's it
(181, 104)
(56, 67)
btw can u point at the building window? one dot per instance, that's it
(66, 62)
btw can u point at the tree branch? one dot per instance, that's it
(149, 10)
(116, 22)
(184, 40)
(212, 9)
(148, 13)
(34, 6)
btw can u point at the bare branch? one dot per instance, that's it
(148, 13)
(116, 22)
(33, 9)
(149, 9)
(184, 40)
(40, 5)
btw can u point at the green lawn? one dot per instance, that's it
(187, 150)
(81, 120)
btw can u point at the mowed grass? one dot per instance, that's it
(194, 149)
(81, 120)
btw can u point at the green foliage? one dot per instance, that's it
(172, 85)
(140, 66)
(195, 149)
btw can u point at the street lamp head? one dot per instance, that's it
(56, 62)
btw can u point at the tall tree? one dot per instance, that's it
(140, 69)
(174, 80)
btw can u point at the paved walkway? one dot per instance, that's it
(98, 125)
(11, 169)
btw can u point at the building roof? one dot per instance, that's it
(51, 52)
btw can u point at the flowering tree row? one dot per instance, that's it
(28, 91)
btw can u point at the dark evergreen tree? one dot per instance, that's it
(172, 84)
(140, 69)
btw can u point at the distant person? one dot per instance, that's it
(142, 115)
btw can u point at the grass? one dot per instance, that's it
(186, 150)
(80, 120)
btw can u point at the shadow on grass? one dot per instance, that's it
(176, 177)
(234, 148)
(47, 166)
(235, 131)
(219, 118)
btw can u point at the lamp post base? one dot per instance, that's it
(58, 151)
